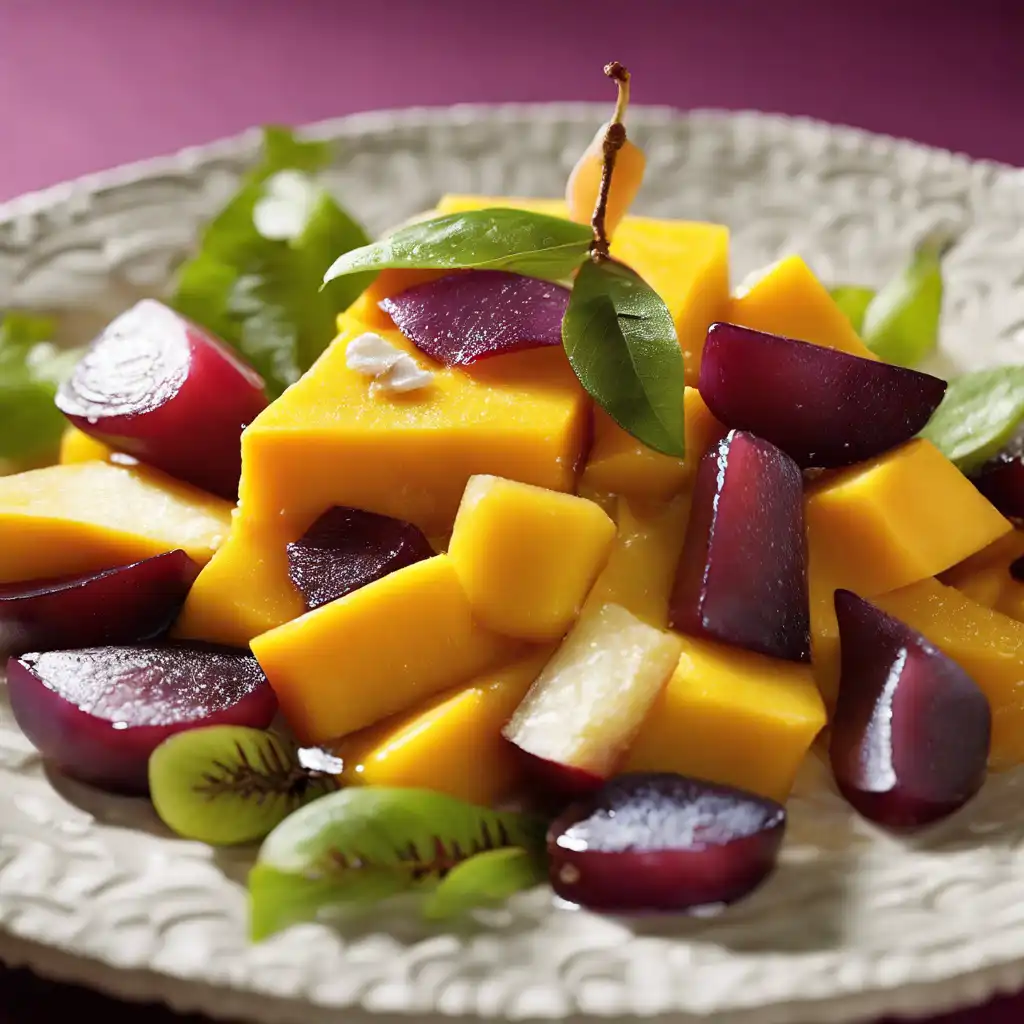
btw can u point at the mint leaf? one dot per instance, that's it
(486, 878)
(533, 244)
(255, 279)
(979, 414)
(853, 300)
(621, 341)
(901, 323)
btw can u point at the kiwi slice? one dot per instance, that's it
(229, 784)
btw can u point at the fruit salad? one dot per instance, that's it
(555, 564)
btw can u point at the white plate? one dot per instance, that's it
(853, 925)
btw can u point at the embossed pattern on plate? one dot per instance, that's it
(853, 925)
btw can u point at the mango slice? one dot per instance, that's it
(685, 262)
(620, 464)
(329, 440)
(92, 515)
(732, 717)
(987, 645)
(75, 446)
(642, 565)
(452, 744)
(985, 577)
(377, 651)
(786, 298)
(244, 590)
(527, 556)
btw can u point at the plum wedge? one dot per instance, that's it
(742, 574)
(124, 605)
(911, 732)
(98, 713)
(159, 388)
(821, 406)
(663, 842)
(468, 316)
(346, 548)
(1001, 480)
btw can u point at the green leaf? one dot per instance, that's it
(363, 843)
(853, 300)
(901, 323)
(493, 239)
(255, 280)
(621, 341)
(486, 878)
(979, 414)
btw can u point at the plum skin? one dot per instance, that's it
(101, 752)
(628, 881)
(552, 783)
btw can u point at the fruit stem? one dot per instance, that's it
(614, 139)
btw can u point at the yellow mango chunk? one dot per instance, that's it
(76, 446)
(786, 298)
(880, 525)
(987, 645)
(244, 590)
(527, 556)
(329, 440)
(685, 262)
(452, 744)
(620, 464)
(642, 565)
(985, 577)
(732, 717)
(93, 515)
(377, 651)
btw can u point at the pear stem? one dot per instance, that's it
(614, 140)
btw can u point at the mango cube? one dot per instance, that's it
(733, 717)
(527, 556)
(331, 440)
(786, 298)
(244, 590)
(92, 515)
(377, 651)
(985, 577)
(453, 743)
(76, 446)
(620, 464)
(987, 645)
(641, 567)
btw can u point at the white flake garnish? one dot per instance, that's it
(393, 371)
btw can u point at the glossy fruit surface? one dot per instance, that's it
(1001, 480)
(98, 713)
(123, 605)
(822, 406)
(742, 574)
(468, 316)
(346, 548)
(912, 730)
(659, 841)
(156, 386)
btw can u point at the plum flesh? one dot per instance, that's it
(346, 548)
(98, 713)
(742, 574)
(476, 314)
(821, 406)
(651, 841)
(123, 605)
(161, 389)
(911, 732)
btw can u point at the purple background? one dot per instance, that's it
(88, 84)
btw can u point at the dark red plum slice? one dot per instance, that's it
(652, 841)
(1001, 480)
(742, 574)
(346, 548)
(911, 732)
(473, 315)
(821, 406)
(99, 712)
(124, 605)
(161, 389)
